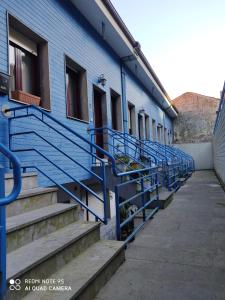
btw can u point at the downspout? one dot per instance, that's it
(124, 98)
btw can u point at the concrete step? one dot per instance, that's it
(182, 180)
(25, 228)
(32, 199)
(86, 274)
(165, 198)
(29, 181)
(47, 255)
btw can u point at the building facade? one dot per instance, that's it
(196, 118)
(81, 65)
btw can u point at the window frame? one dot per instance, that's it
(76, 68)
(18, 25)
(132, 118)
(141, 129)
(147, 127)
(116, 108)
(154, 130)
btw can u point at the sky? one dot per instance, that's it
(184, 41)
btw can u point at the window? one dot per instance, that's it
(140, 127)
(28, 65)
(76, 91)
(131, 119)
(165, 136)
(147, 127)
(153, 130)
(159, 133)
(170, 138)
(116, 112)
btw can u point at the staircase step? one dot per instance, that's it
(25, 228)
(29, 181)
(165, 198)
(86, 274)
(48, 254)
(182, 180)
(32, 199)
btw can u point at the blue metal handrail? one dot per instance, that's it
(43, 117)
(91, 144)
(126, 142)
(5, 200)
(120, 143)
(146, 197)
(60, 186)
(139, 150)
(170, 164)
(187, 161)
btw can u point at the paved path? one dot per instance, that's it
(180, 254)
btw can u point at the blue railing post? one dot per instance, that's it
(143, 199)
(106, 203)
(2, 237)
(118, 228)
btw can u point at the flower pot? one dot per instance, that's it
(121, 167)
(26, 97)
(126, 178)
(138, 187)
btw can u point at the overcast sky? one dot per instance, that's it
(184, 41)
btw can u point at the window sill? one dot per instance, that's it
(79, 120)
(24, 103)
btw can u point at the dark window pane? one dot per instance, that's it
(73, 93)
(27, 73)
(24, 69)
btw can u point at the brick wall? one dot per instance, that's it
(196, 118)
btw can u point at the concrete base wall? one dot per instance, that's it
(201, 152)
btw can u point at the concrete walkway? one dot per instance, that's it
(180, 254)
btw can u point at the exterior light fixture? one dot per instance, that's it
(102, 80)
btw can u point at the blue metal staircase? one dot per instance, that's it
(140, 166)
(168, 165)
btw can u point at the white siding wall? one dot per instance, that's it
(219, 146)
(201, 153)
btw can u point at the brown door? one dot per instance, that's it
(98, 120)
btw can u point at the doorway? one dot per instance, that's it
(99, 118)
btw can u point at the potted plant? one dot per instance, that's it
(121, 162)
(25, 97)
(127, 229)
(132, 167)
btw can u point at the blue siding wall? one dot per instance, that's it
(137, 95)
(70, 34)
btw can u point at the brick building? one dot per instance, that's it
(196, 118)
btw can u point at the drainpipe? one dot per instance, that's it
(124, 98)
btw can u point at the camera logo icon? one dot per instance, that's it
(15, 284)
